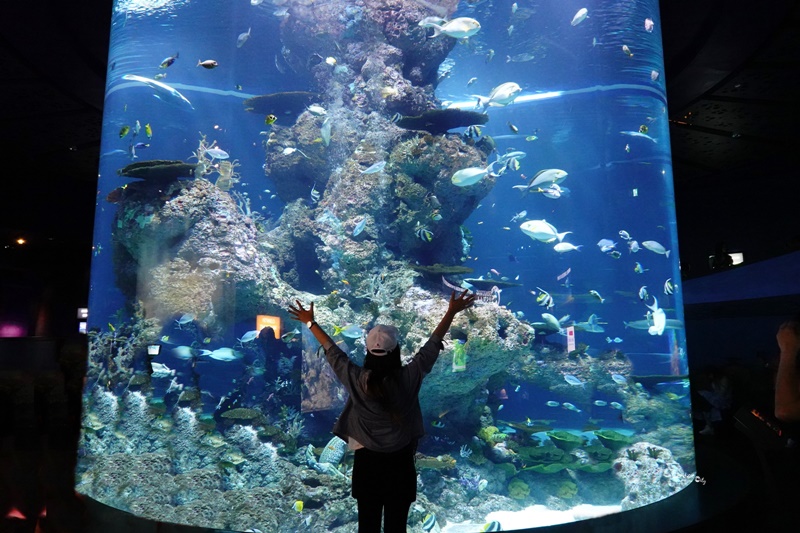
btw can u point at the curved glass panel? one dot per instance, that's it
(372, 157)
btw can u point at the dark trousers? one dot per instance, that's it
(384, 483)
(395, 515)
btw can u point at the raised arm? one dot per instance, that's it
(787, 383)
(306, 316)
(457, 304)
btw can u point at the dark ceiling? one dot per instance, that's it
(732, 84)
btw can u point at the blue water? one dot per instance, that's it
(580, 93)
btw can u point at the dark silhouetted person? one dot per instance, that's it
(722, 258)
(382, 419)
(787, 382)
(719, 398)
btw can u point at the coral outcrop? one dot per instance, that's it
(650, 474)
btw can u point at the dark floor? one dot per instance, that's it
(737, 486)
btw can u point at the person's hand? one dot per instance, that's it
(461, 302)
(300, 313)
(788, 338)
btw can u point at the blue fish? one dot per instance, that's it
(572, 380)
(351, 332)
(377, 167)
(619, 379)
(360, 226)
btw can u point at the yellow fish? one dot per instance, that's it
(298, 506)
(148, 131)
(124, 131)
(270, 119)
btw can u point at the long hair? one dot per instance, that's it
(381, 376)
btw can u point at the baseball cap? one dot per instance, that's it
(382, 339)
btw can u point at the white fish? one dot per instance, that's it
(161, 370)
(639, 135)
(164, 92)
(597, 295)
(511, 155)
(502, 95)
(624, 235)
(242, 38)
(457, 28)
(541, 230)
(548, 176)
(659, 318)
(225, 354)
(554, 192)
(183, 352)
(217, 153)
(521, 214)
(289, 150)
(255, 2)
(633, 247)
(566, 247)
(250, 336)
(470, 176)
(572, 380)
(359, 227)
(551, 321)
(377, 167)
(580, 16)
(317, 110)
(656, 247)
(185, 319)
(606, 245)
(325, 130)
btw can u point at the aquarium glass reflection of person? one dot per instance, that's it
(382, 419)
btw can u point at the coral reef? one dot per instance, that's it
(652, 476)
(518, 489)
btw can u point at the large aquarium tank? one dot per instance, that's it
(373, 156)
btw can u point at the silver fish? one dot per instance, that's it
(377, 167)
(242, 38)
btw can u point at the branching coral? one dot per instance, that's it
(388, 285)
